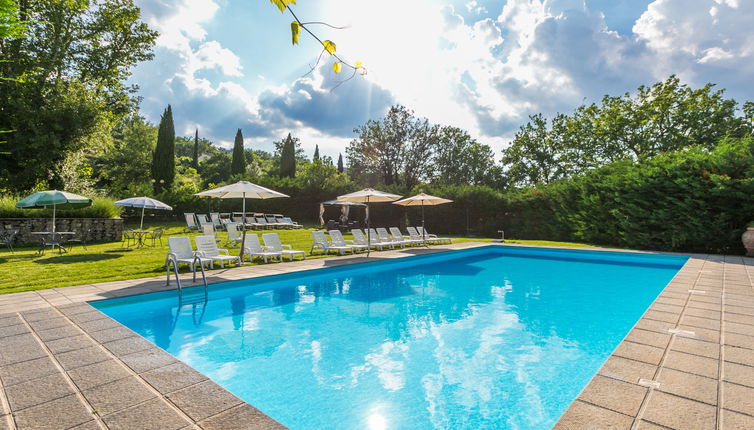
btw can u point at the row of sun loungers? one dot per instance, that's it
(209, 253)
(376, 238)
(196, 222)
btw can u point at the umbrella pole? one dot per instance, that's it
(53, 218)
(423, 238)
(243, 229)
(141, 224)
(369, 230)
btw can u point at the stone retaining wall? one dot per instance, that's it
(93, 229)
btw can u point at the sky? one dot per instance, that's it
(482, 65)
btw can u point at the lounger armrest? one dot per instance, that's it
(223, 251)
(288, 247)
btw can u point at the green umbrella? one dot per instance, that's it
(54, 198)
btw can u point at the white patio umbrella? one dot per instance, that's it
(422, 200)
(368, 195)
(242, 190)
(143, 203)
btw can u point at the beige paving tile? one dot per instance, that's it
(639, 352)
(739, 340)
(690, 363)
(738, 355)
(738, 373)
(615, 395)
(695, 346)
(646, 337)
(738, 328)
(583, 416)
(693, 321)
(688, 385)
(735, 421)
(738, 398)
(662, 316)
(679, 413)
(627, 370)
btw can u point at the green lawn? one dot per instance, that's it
(25, 270)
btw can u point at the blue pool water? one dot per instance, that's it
(486, 338)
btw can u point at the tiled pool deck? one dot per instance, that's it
(687, 364)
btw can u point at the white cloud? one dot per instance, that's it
(485, 75)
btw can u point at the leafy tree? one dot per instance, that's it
(184, 147)
(535, 156)
(288, 157)
(238, 165)
(124, 169)
(460, 159)
(163, 160)
(195, 154)
(667, 116)
(316, 158)
(63, 79)
(341, 169)
(396, 150)
(216, 169)
(11, 26)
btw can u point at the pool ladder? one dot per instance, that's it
(172, 258)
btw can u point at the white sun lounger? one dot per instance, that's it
(206, 247)
(338, 240)
(253, 248)
(234, 236)
(360, 238)
(395, 233)
(433, 236)
(181, 252)
(385, 237)
(272, 243)
(321, 242)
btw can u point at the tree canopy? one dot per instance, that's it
(63, 80)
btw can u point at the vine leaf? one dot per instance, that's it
(358, 65)
(295, 30)
(282, 4)
(336, 67)
(329, 47)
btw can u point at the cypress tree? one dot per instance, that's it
(238, 165)
(195, 159)
(316, 159)
(163, 159)
(340, 163)
(288, 158)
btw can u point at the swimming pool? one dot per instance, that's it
(494, 337)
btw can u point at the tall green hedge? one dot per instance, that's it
(690, 200)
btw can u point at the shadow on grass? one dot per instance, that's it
(84, 258)
(111, 251)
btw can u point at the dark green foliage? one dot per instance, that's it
(341, 168)
(667, 116)
(195, 154)
(688, 200)
(238, 163)
(63, 82)
(216, 169)
(288, 158)
(316, 158)
(163, 160)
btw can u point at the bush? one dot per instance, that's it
(689, 200)
(102, 207)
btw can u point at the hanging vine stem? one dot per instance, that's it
(327, 46)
